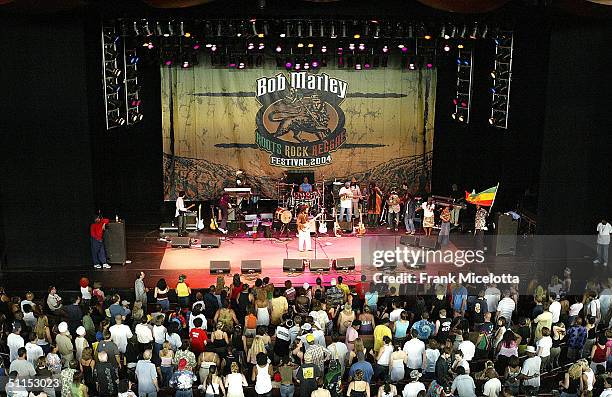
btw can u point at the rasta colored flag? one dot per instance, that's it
(484, 198)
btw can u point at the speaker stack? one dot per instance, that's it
(220, 267)
(180, 242)
(210, 242)
(293, 265)
(250, 266)
(344, 264)
(319, 265)
(114, 242)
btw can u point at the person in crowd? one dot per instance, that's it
(463, 385)
(140, 290)
(182, 380)
(415, 350)
(161, 294)
(530, 372)
(603, 242)
(146, 374)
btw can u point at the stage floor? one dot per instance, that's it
(271, 252)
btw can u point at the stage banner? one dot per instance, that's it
(372, 124)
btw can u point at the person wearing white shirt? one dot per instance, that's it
(415, 349)
(492, 296)
(468, 349)
(356, 192)
(603, 242)
(179, 213)
(543, 347)
(530, 373)
(396, 313)
(144, 332)
(554, 308)
(339, 351)
(608, 387)
(33, 350)
(120, 333)
(506, 307)
(460, 361)
(14, 341)
(346, 202)
(192, 318)
(493, 386)
(413, 388)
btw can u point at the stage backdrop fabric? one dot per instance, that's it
(372, 124)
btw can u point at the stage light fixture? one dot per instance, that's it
(404, 49)
(332, 32)
(279, 48)
(357, 66)
(446, 48)
(443, 33)
(315, 64)
(250, 46)
(300, 45)
(298, 66)
(361, 46)
(310, 31)
(168, 62)
(463, 31)
(324, 49)
(113, 88)
(474, 33)
(400, 46)
(213, 48)
(261, 46)
(112, 104)
(147, 29)
(196, 46)
(288, 65)
(377, 32)
(366, 65)
(299, 29)
(343, 29)
(483, 35)
(351, 46)
(306, 66)
(460, 46)
(453, 32)
(310, 45)
(427, 37)
(241, 65)
(113, 72)
(385, 49)
(118, 120)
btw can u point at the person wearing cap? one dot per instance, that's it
(120, 333)
(381, 331)
(146, 374)
(307, 375)
(345, 319)
(182, 380)
(15, 341)
(393, 205)
(80, 343)
(530, 372)
(413, 388)
(64, 343)
(334, 296)
(463, 385)
(346, 202)
(316, 353)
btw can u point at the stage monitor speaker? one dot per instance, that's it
(219, 267)
(293, 265)
(250, 266)
(180, 242)
(428, 242)
(507, 229)
(210, 242)
(345, 264)
(114, 242)
(346, 226)
(412, 241)
(319, 265)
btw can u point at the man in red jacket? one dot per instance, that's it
(98, 254)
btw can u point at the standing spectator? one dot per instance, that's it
(415, 349)
(467, 347)
(144, 333)
(166, 355)
(262, 376)
(506, 307)
(198, 337)
(78, 389)
(182, 380)
(599, 353)
(120, 333)
(544, 320)
(161, 294)
(381, 331)
(54, 301)
(576, 337)
(74, 314)
(34, 351)
(492, 296)
(236, 381)
(15, 341)
(140, 290)
(334, 297)
(554, 307)
(493, 386)
(558, 337)
(371, 298)
(80, 343)
(21, 365)
(608, 387)
(603, 242)
(66, 377)
(280, 306)
(544, 345)
(64, 343)
(363, 366)
(146, 374)
(107, 345)
(424, 327)
(187, 355)
(459, 294)
(359, 385)
(463, 384)
(530, 373)
(183, 291)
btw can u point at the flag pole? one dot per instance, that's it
(493, 202)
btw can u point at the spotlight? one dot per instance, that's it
(306, 66)
(310, 45)
(351, 46)
(361, 46)
(288, 65)
(460, 46)
(429, 65)
(443, 33)
(148, 29)
(298, 66)
(427, 37)
(134, 59)
(185, 64)
(324, 49)
(196, 46)
(400, 46)
(250, 46)
(113, 72)
(168, 62)
(213, 48)
(261, 46)
(357, 36)
(357, 66)
(279, 48)
(446, 47)
(385, 49)
(241, 65)
(119, 120)
(404, 49)
(315, 64)
(300, 45)
(332, 32)
(135, 116)
(474, 32)
(411, 66)
(366, 65)
(187, 34)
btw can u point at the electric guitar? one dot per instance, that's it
(213, 221)
(310, 225)
(200, 223)
(322, 226)
(361, 229)
(337, 230)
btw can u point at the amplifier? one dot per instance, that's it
(180, 242)
(293, 265)
(250, 266)
(114, 241)
(319, 265)
(428, 242)
(344, 264)
(210, 242)
(220, 267)
(346, 226)
(412, 241)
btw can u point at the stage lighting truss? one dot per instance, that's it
(112, 78)
(463, 97)
(131, 86)
(502, 78)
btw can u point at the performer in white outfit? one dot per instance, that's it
(303, 229)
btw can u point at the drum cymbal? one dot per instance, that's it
(337, 183)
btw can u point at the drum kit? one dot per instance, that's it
(290, 200)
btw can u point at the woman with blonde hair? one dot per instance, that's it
(43, 333)
(588, 378)
(218, 340)
(235, 382)
(259, 344)
(345, 318)
(572, 381)
(137, 311)
(398, 360)
(358, 348)
(166, 355)
(206, 360)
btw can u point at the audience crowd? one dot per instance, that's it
(251, 338)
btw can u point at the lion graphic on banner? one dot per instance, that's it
(300, 114)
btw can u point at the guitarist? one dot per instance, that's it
(225, 205)
(356, 192)
(303, 229)
(180, 212)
